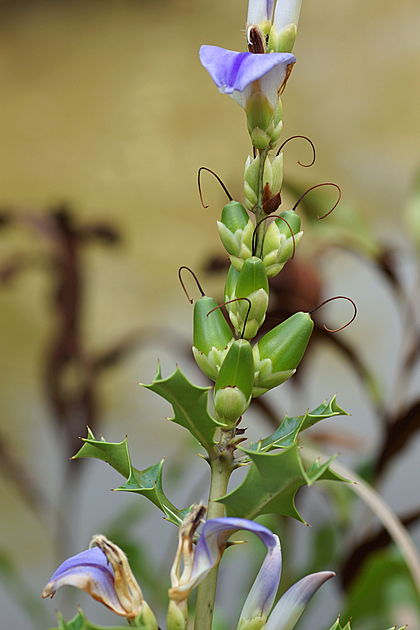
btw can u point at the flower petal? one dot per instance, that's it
(91, 572)
(259, 11)
(210, 548)
(292, 604)
(233, 72)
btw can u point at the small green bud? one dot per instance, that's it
(212, 336)
(250, 283)
(233, 387)
(277, 170)
(260, 138)
(259, 112)
(236, 230)
(279, 244)
(146, 620)
(175, 618)
(280, 351)
(283, 40)
(252, 624)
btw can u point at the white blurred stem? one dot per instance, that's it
(388, 518)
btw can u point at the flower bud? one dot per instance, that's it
(233, 387)
(175, 618)
(280, 351)
(283, 32)
(212, 336)
(251, 283)
(279, 244)
(272, 179)
(235, 231)
(283, 40)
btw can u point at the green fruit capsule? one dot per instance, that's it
(280, 351)
(212, 336)
(235, 231)
(251, 283)
(233, 387)
(279, 244)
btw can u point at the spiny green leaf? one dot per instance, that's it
(189, 403)
(286, 434)
(79, 622)
(113, 453)
(338, 626)
(283, 437)
(147, 482)
(271, 484)
(327, 409)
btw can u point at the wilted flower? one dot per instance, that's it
(198, 561)
(103, 571)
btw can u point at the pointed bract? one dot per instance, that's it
(292, 604)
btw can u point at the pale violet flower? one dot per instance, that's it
(209, 550)
(241, 74)
(259, 11)
(104, 573)
(286, 12)
(198, 561)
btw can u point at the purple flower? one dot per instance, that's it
(241, 74)
(198, 562)
(259, 11)
(209, 550)
(103, 572)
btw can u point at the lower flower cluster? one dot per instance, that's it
(104, 572)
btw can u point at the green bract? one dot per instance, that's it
(233, 387)
(280, 351)
(212, 336)
(278, 244)
(236, 230)
(251, 283)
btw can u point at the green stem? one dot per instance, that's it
(259, 211)
(221, 469)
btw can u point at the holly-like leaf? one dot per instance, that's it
(327, 409)
(338, 626)
(189, 404)
(113, 453)
(79, 622)
(271, 484)
(286, 434)
(147, 482)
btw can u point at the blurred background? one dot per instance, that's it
(105, 117)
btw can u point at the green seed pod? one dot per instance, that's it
(280, 351)
(235, 231)
(279, 245)
(233, 387)
(251, 283)
(212, 336)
